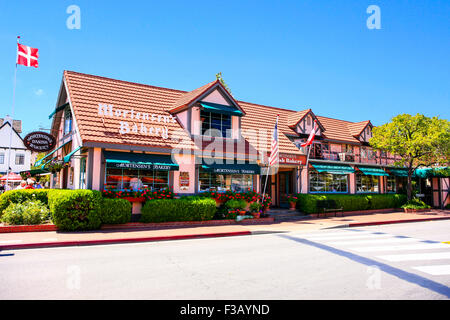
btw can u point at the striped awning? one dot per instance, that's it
(373, 171)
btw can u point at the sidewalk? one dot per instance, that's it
(23, 240)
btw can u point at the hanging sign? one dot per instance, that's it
(39, 141)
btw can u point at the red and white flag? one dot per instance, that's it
(27, 56)
(274, 158)
(311, 135)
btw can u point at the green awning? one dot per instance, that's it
(67, 157)
(442, 172)
(129, 160)
(36, 171)
(223, 166)
(58, 109)
(331, 168)
(372, 171)
(399, 172)
(220, 108)
(38, 163)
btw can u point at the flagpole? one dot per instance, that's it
(12, 119)
(268, 167)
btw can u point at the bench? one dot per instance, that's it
(325, 206)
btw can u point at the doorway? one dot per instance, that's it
(286, 187)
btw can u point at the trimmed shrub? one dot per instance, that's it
(307, 203)
(415, 204)
(115, 211)
(236, 204)
(19, 196)
(27, 212)
(75, 209)
(164, 210)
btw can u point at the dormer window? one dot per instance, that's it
(215, 124)
(308, 121)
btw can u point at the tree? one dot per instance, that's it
(419, 140)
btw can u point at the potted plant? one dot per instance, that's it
(255, 208)
(236, 205)
(415, 205)
(292, 198)
(265, 204)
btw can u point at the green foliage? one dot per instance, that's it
(184, 209)
(415, 204)
(236, 204)
(27, 212)
(307, 203)
(19, 196)
(255, 207)
(75, 209)
(115, 211)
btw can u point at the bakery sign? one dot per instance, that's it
(39, 141)
(135, 122)
(293, 159)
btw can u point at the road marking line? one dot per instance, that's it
(325, 234)
(435, 270)
(10, 241)
(416, 256)
(446, 242)
(375, 241)
(414, 246)
(346, 237)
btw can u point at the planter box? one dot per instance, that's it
(415, 210)
(133, 199)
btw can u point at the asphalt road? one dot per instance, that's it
(402, 261)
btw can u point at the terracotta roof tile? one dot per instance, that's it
(87, 91)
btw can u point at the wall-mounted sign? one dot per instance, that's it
(184, 180)
(294, 159)
(135, 122)
(39, 141)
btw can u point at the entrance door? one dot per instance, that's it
(285, 187)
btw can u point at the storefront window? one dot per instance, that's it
(327, 182)
(367, 183)
(135, 179)
(210, 181)
(390, 184)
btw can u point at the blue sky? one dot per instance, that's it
(289, 54)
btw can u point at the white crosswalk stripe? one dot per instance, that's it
(439, 270)
(397, 248)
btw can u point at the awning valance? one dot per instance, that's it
(441, 172)
(67, 157)
(372, 171)
(38, 163)
(129, 160)
(399, 172)
(58, 109)
(223, 166)
(220, 108)
(331, 168)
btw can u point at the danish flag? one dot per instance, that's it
(274, 159)
(311, 135)
(27, 56)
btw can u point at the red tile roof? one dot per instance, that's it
(87, 91)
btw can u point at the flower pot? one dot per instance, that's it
(242, 212)
(255, 215)
(292, 205)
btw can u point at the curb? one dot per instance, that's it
(362, 224)
(115, 241)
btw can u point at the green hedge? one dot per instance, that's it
(307, 203)
(28, 212)
(75, 209)
(19, 196)
(164, 210)
(116, 211)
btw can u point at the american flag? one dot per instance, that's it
(273, 159)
